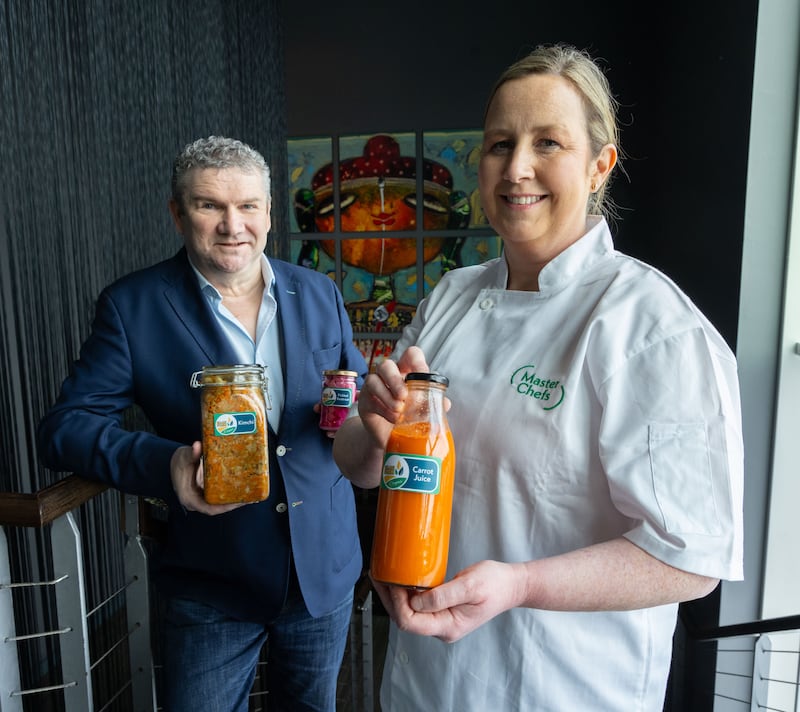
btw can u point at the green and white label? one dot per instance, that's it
(411, 473)
(234, 423)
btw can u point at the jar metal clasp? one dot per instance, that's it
(197, 379)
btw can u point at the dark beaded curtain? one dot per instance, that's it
(96, 98)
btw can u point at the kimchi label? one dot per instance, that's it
(234, 423)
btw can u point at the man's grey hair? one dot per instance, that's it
(215, 152)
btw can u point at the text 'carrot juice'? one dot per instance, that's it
(412, 524)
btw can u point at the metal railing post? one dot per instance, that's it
(138, 611)
(71, 608)
(367, 662)
(9, 657)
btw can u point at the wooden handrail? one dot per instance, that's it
(49, 503)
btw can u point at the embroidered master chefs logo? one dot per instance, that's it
(527, 382)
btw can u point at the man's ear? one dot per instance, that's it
(177, 213)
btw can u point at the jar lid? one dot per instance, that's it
(430, 377)
(228, 374)
(233, 368)
(334, 372)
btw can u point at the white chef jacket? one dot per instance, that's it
(603, 405)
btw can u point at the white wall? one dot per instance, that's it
(769, 371)
(761, 345)
(782, 572)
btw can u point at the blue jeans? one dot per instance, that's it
(210, 659)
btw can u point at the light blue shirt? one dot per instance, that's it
(266, 349)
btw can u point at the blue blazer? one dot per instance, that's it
(153, 329)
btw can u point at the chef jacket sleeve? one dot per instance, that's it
(671, 445)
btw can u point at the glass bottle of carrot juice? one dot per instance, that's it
(412, 523)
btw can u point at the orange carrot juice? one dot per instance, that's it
(412, 529)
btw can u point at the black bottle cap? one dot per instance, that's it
(430, 377)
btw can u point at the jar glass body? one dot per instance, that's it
(412, 524)
(338, 394)
(235, 433)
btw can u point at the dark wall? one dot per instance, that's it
(97, 98)
(681, 70)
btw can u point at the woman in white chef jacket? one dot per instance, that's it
(597, 425)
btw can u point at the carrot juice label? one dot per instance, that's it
(411, 473)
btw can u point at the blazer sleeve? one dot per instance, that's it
(84, 431)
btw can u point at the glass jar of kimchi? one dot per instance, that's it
(234, 420)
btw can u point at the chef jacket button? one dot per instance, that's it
(486, 304)
(281, 508)
(404, 657)
(280, 451)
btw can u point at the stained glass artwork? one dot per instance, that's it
(347, 192)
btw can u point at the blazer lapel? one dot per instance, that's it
(183, 294)
(294, 336)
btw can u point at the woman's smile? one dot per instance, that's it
(524, 199)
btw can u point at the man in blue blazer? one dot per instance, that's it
(232, 575)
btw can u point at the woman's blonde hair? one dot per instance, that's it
(578, 67)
